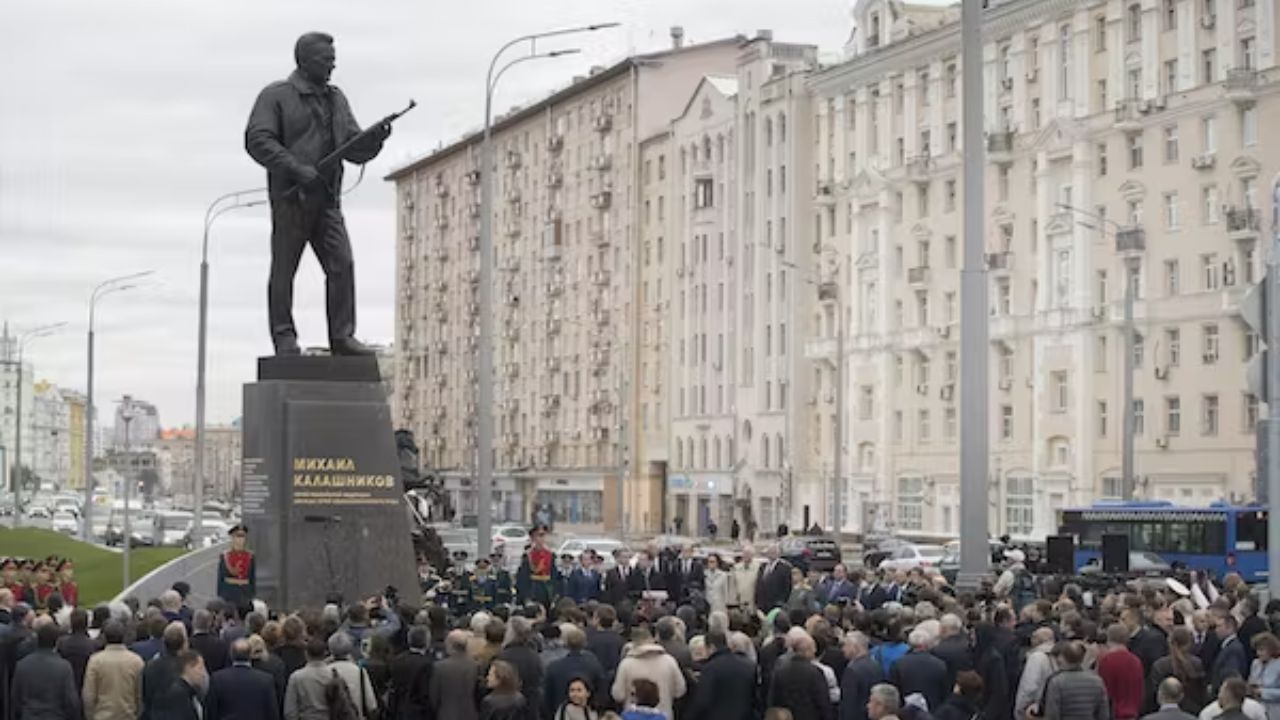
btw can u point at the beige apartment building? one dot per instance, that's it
(568, 243)
(1123, 147)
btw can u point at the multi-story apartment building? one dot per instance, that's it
(51, 435)
(567, 234)
(15, 377)
(1123, 151)
(76, 404)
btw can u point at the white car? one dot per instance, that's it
(604, 547)
(38, 512)
(909, 557)
(66, 522)
(510, 538)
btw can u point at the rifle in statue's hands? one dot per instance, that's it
(333, 159)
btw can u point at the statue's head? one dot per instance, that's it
(315, 56)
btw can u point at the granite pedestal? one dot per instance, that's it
(322, 496)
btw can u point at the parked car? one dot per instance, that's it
(1140, 563)
(460, 540)
(604, 547)
(817, 552)
(515, 536)
(65, 522)
(909, 557)
(38, 512)
(882, 550)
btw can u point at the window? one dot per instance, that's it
(1172, 415)
(953, 141)
(1101, 282)
(866, 402)
(897, 426)
(1250, 419)
(1209, 202)
(1139, 349)
(1170, 15)
(911, 503)
(1252, 343)
(1062, 278)
(950, 198)
(1100, 33)
(1208, 67)
(1060, 386)
(1134, 84)
(949, 300)
(1171, 143)
(1019, 506)
(1209, 270)
(897, 370)
(1248, 58)
(1006, 363)
(949, 85)
(1170, 83)
(949, 423)
(1171, 216)
(1133, 23)
(1102, 418)
(1172, 281)
(1210, 343)
(1173, 346)
(1249, 126)
(1209, 415)
(1006, 422)
(922, 426)
(1135, 150)
(1100, 353)
(1006, 65)
(1101, 159)
(1139, 416)
(703, 193)
(1101, 92)
(1004, 299)
(1209, 133)
(1064, 64)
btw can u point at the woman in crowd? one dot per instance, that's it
(719, 582)
(504, 701)
(1264, 675)
(575, 706)
(1183, 664)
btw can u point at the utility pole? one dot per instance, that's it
(1272, 373)
(1127, 478)
(126, 416)
(975, 398)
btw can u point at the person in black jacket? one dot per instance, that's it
(43, 683)
(861, 673)
(994, 693)
(688, 577)
(615, 581)
(410, 678)
(520, 653)
(726, 687)
(953, 648)
(965, 702)
(240, 692)
(1231, 660)
(604, 641)
(644, 577)
(920, 672)
(78, 646)
(578, 664)
(1251, 626)
(799, 686)
(1146, 641)
(164, 669)
(208, 644)
(773, 584)
(181, 699)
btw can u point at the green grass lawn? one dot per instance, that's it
(98, 571)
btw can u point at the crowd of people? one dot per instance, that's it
(668, 635)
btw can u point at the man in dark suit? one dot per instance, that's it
(1169, 694)
(860, 675)
(181, 700)
(726, 685)
(799, 686)
(240, 692)
(1231, 659)
(604, 641)
(687, 577)
(919, 671)
(78, 646)
(615, 581)
(207, 643)
(836, 587)
(645, 577)
(411, 678)
(161, 671)
(43, 683)
(1206, 642)
(773, 586)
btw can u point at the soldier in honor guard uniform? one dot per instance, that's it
(12, 580)
(42, 583)
(67, 583)
(538, 576)
(483, 586)
(504, 588)
(237, 572)
(460, 585)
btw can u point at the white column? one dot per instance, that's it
(1151, 66)
(1188, 52)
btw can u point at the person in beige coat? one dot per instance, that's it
(647, 660)
(744, 580)
(113, 679)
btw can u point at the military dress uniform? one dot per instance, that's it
(538, 577)
(237, 574)
(484, 589)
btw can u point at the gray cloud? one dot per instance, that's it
(121, 120)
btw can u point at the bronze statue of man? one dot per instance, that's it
(294, 124)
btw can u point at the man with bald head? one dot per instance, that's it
(241, 691)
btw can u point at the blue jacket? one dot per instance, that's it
(583, 585)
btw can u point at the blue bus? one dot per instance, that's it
(1218, 539)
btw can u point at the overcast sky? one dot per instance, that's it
(121, 119)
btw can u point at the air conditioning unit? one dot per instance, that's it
(944, 332)
(948, 392)
(1162, 372)
(1204, 161)
(922, 389)
(1006, 384)
(1208, 21)
(1162, 442)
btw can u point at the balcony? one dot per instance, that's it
(602, 122)
(513, 160)
(820, 349)
(602, 200)
(1129, 116)
(1000, 147)
(555, 143)
(1241, 85)
(824, 194)
(1243, 223)
(1204, 161)
(1130, 239)
(918, 275)
(601, 162)
(1000, 261)
(919, 168)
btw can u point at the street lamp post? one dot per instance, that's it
(216, 208)
(484, 352)
(115, 284)
(17, 474)
(126, 416)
